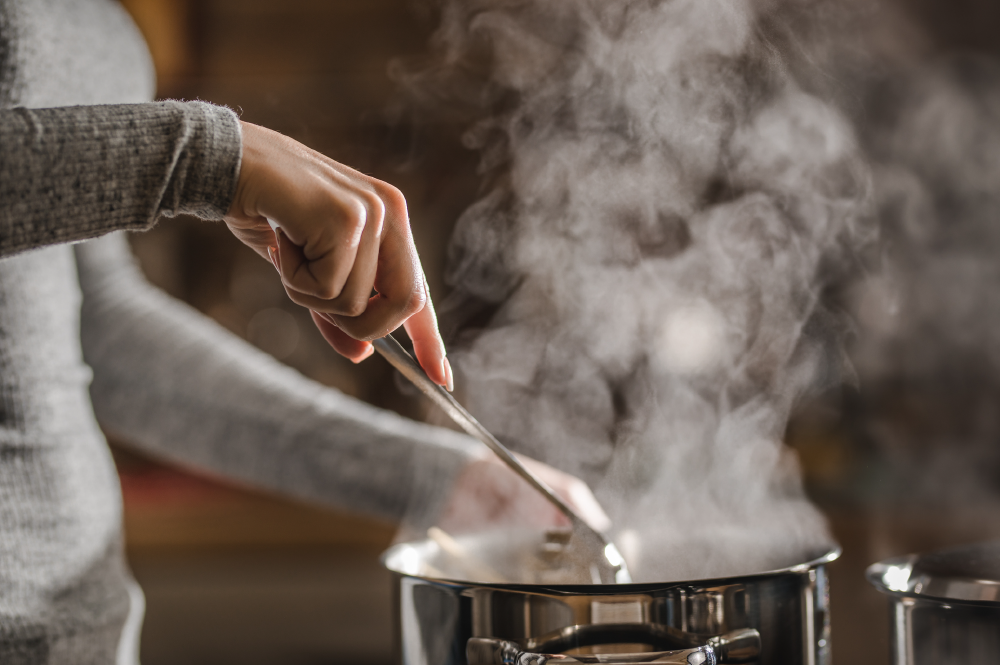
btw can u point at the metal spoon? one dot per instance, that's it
(607, 564)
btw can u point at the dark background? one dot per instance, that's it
(232, 576)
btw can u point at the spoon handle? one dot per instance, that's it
(399, 358)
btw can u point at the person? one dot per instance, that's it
(84, 338)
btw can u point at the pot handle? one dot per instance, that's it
(738, 646)
(488, 651)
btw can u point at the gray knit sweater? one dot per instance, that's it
(81, 333)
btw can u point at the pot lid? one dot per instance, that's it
(970, 573)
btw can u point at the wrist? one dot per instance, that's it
(208, 170)
(240, 205)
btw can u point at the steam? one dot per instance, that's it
(665, 209)
(928, 351)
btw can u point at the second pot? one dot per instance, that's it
(944, 606)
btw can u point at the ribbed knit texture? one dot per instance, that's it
(183, 388)
(155, 371)
(111, 167)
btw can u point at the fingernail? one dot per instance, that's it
(449, 379)
(272, 253)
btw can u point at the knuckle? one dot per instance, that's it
(374, 202)
(415, 303)
(355, 215)
(355, 307)
(375, 208)
(312, 280)
(394, 199)
(326, 291)
(296, 297)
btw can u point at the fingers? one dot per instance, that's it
(352, 349)
(422, 328)
(388, 265)
(257, 236)
(332, 255)
(392, 269)
(341, 236)
(353, 295)
(399, 279)
(324, 257)
(353, 299)
(323, 208)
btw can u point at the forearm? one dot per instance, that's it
(172, 382)
(73, 173)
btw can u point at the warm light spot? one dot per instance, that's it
(275, 331)
(897, 578)
(692, 339)
(613, 556)
(409, 560)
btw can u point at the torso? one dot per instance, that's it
(63, 583)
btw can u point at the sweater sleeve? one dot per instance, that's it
(72, 173)
(175, 384)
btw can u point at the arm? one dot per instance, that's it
(165, 377)
(72, 173)
(173, 383)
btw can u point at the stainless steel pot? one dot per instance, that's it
(945, 606)
(473, 607)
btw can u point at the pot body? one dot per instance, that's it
(927, 632)
(944, 606)
(769, 618)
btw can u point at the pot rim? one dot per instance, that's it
(831, 554)
(905, 587)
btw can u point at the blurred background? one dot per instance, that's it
(233, 576)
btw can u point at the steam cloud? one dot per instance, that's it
(928, 351)
(666, 206)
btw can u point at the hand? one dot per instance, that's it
(341, 235)
(488, 494)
